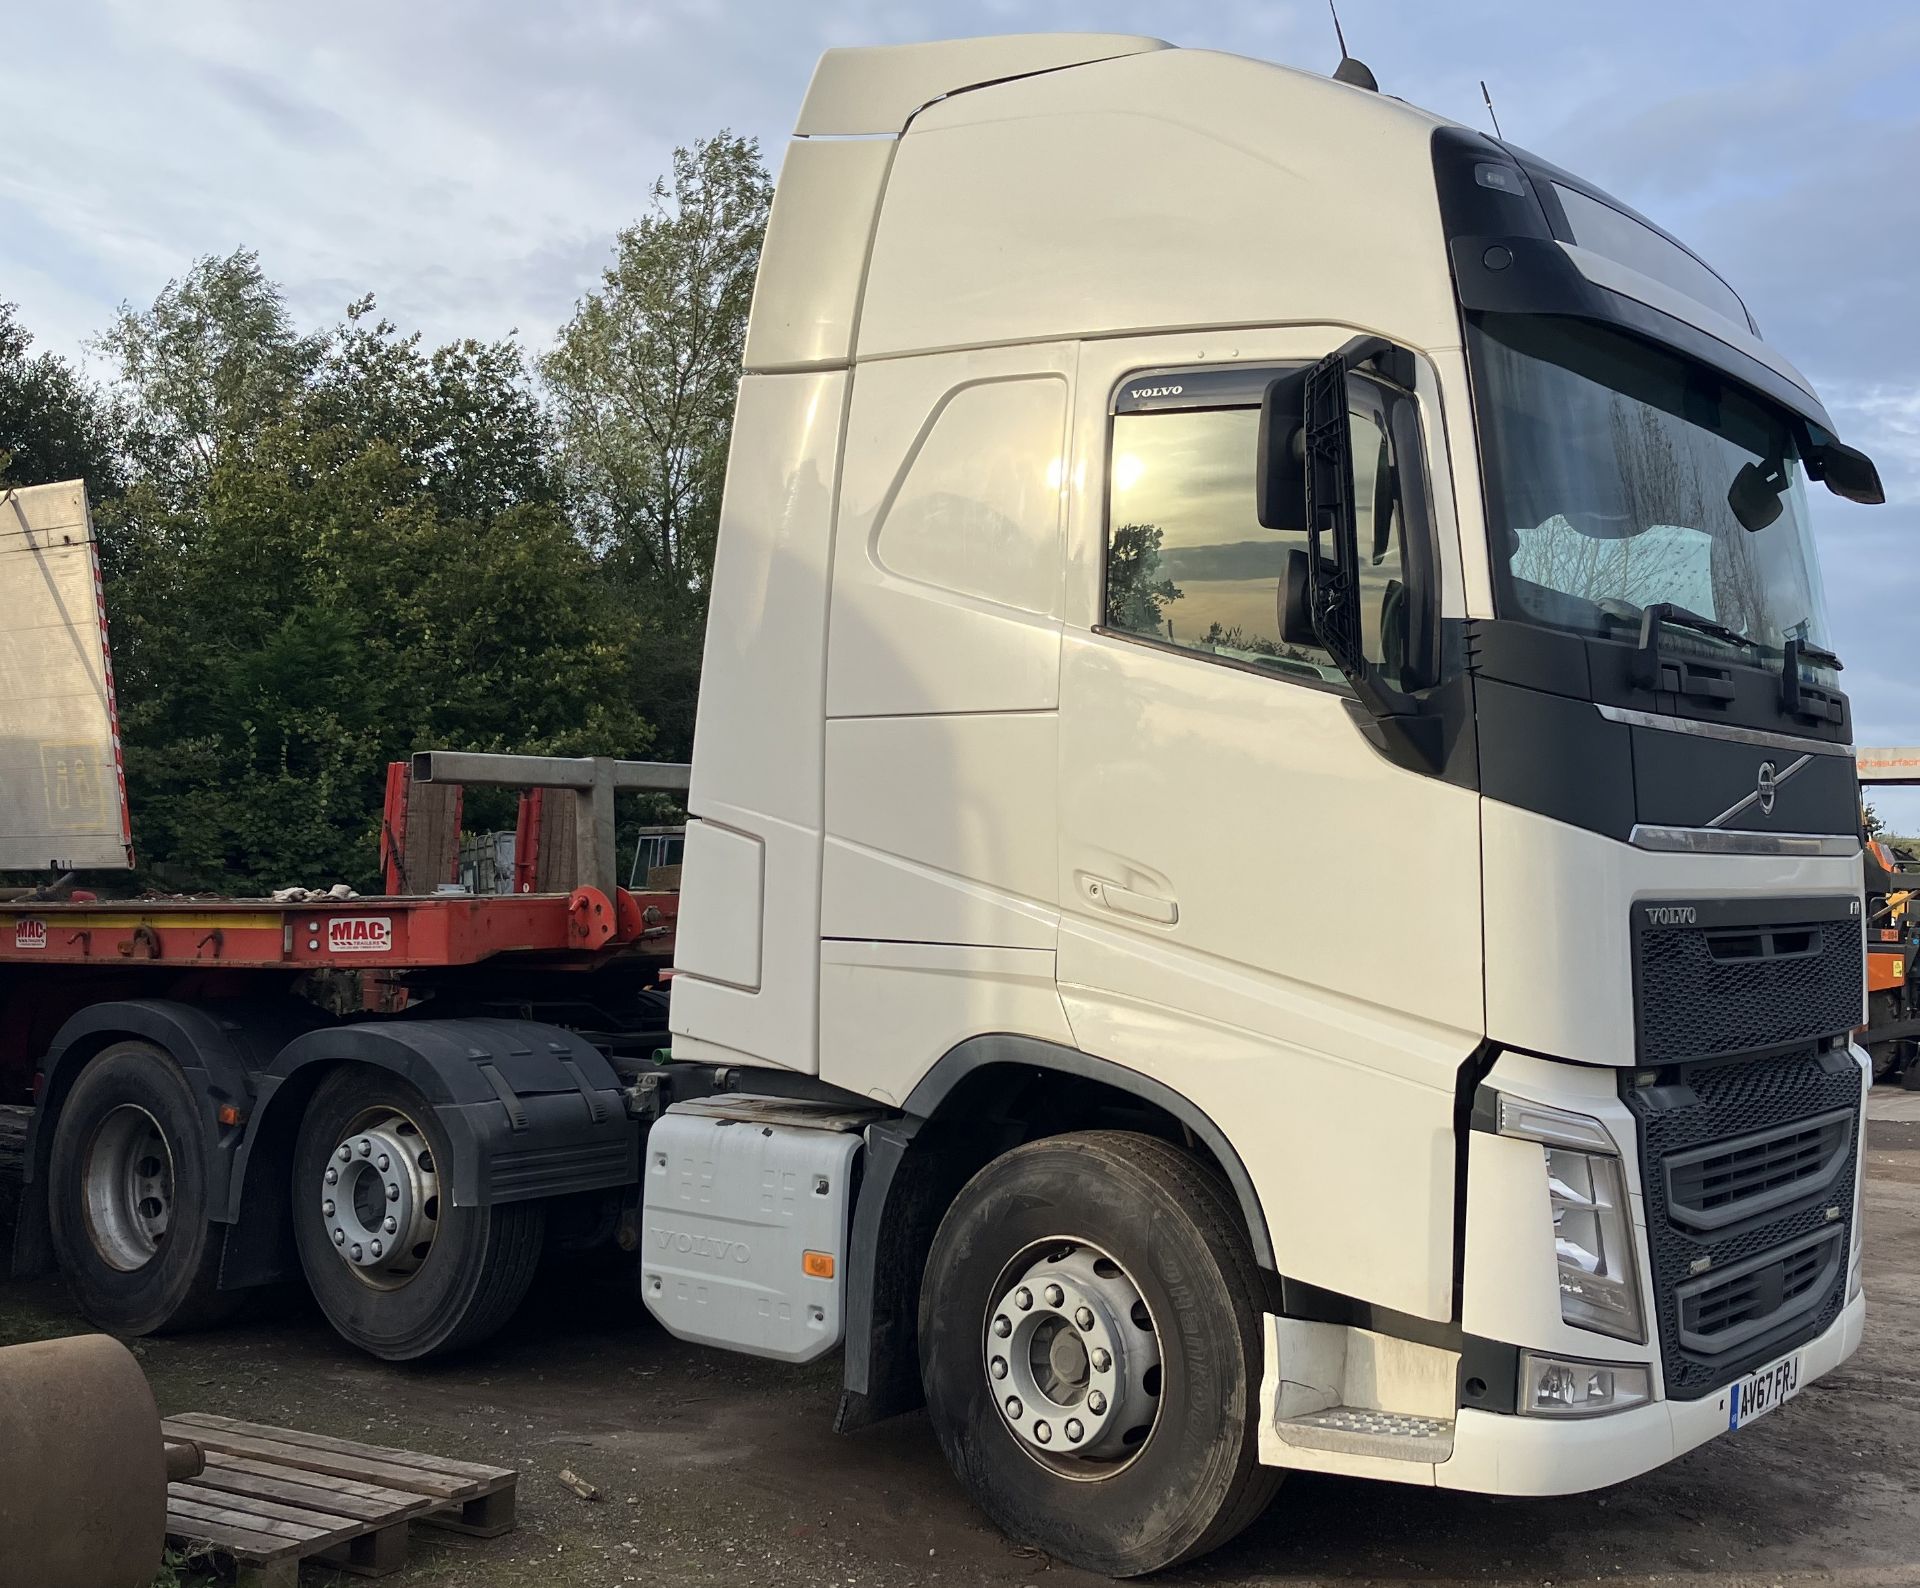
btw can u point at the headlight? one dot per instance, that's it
(1592, 1222)
(1593, 1240)
(1553, 1386)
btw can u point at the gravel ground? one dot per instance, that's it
(715, 1469)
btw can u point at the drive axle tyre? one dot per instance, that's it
(1090, 1346)
(128, 1199)
(396, 1267)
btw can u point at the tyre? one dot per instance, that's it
(1091, 1351)
(396, 1267)
(128, 1199)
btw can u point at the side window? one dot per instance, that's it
(1188, 563)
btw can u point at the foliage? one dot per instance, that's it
(327, 547)
(337, 548)
(1137, 593)
(643, 380)
(53, 425)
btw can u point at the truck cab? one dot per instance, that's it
(1268, 724)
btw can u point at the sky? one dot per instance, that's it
(470, 160)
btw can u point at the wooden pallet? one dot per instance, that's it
(274, 1497)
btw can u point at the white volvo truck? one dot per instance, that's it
(1274, 879)
(1268, 706)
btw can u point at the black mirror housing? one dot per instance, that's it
(1280, 472)
(1847, 471)
(1755, 495)
(1296, 601)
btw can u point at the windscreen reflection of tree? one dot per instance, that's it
(1652, 485)
(1238, 639)
(1137, 594)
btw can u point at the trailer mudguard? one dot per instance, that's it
(530, 1110)
(220, 1048)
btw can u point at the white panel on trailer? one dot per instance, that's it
(63, 799)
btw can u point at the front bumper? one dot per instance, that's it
(1495, 1453)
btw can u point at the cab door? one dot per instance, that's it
(1261, 908)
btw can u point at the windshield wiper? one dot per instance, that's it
(1668, 614)
(1799, 698)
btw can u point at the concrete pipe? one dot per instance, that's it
(83, 1476)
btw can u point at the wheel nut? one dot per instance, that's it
(383, 1163)
(356, 1251)
(376, 1248)
(333, 1177)
(1002, 1326)
(345, 1154)
(1013, 1407)
(1096, 1403)
(1042, 1432)
(366, 1147)
(998, 1367)
(1101, 1360)
(1055, 1295)
(339, 1237)
(1084, 1317)
(326, 1208)
(1023, 1298)
(392, 1226)
(1074, 1431)
(393, 1193)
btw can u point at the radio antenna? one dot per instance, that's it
(1491, 114)
(1350, 70)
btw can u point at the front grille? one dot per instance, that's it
(1718, 977)
(1721, 1312)
(1712, 1187)
(1747, 1168)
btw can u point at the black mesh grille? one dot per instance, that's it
(1710, 1188)
(1705, 992)
(1697, 1105)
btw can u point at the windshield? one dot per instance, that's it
(1619, 476)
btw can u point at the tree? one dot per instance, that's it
(206, 368)
(53, 425)
(643, 380)
(1137, 594)
(341, 547)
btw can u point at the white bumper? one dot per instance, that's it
(1500, 1454)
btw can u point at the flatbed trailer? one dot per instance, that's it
(178, 1052)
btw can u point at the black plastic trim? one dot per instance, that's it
(982, 1052)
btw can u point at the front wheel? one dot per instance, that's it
(398, 1269)
(1090, 1348)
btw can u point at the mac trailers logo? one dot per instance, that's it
(360, 934)
(29, 933)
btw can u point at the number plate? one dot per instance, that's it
(1759, 1393)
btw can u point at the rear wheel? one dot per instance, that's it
(397, 1268)
(128, 1196)
(1090, 1347)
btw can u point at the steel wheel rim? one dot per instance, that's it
(1072, 1357)
(379, 1198)
(128, 1188)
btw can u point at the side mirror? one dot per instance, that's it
(1847, 471)
(1280, 469)
(1296, 597)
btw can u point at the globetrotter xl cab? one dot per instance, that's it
(1269, 717)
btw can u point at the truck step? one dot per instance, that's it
(1361, 1431)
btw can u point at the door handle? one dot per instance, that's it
(1128, 901)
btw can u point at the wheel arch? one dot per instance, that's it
(220, 1049)
(981, 1098)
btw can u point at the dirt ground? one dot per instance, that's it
(715, 1469)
